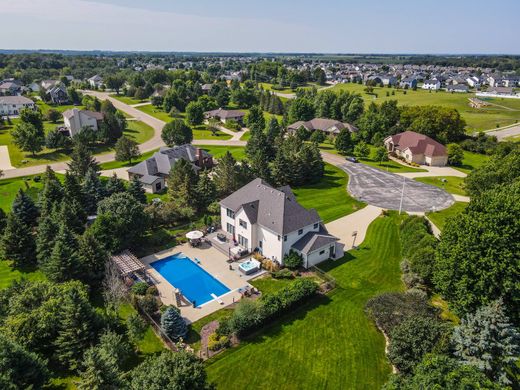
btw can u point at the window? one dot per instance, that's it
(242, 241)
(158, 187)
(322, 252)
(242, 223)
(316, 225)
(285, 238)
(260, 244)
(279, 237)
(300, 232)
(230, 213)
(230, 228)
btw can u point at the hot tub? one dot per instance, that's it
(249, 267)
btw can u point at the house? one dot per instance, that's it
(206, 88)
(48, 84)
(330, 126)
(12, 105)
(75, 120)
(154, 171)
(417, 148)
(500, 90)
(408, 82)
(225, 115)
(473, 82)
(34, 87)
(271, 221)
(95, 81)
(457, 88)
(58, 94)
(10, 88)
(431, 84)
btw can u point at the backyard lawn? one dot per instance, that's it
(9, 188)
(452, 184)
(329, 196)
(472, 161)
(439, 217)
(8, 275)
(329, 342)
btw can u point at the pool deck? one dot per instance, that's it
(211, 260)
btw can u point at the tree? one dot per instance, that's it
(293, 260)
(176, 133)
(182, 183)
(255, 119)
(136, 190)
(317, 137)
(114, 185)
(412, 339)
(361, 150)
(53, 115)
(92, 258)
(126, 149)
(20, 368)
(226, 179)
(3, 221)
(114, 82)
(17, 243)
(194, 113)
(45, 238)
(24, 207)
(455, 155)
(170, 370)
(63, 262)
(93, 191)
(487, 340)
(28, 138)
(173, 324)
(380, 154)
(51, 194)
(301, 109)
(477, 258)
(55, 139)
(206, 191)
(82, 160)
(343, 142)
(32, 117)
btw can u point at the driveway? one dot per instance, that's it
(383, 189)
(505, 133)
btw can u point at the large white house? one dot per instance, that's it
(75, 120)
(12, 105)
(271, 221)
(432, 84)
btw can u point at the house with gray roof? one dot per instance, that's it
(12, 105)
(154, 171)
(330, 126)
(270, 220)
(225, 115)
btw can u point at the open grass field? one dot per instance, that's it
(439, 217)
(501, 112)
(329, 342)
(329, 196)
(472, 161)
(128, 100)
(217, 151)
(453, 184)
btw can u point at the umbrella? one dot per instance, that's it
(194, 235)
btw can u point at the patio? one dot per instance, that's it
(227, 247)
(215, 263)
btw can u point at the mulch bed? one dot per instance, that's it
(205, 332)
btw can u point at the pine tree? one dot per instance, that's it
(488, 341)
(17, 243)
(92, 257)
(63, 264)
(343, 141)
(82, 160)
(114, 185)
(72, 214)
(206, 191)
(51, 194)
(45, 238)
(3, 221)
(181, 185)
(72, 188)
(225, 177)
(93, 191)
(98, 373)
(25, 209)
(173, 324)
(136, 190)
(273, 130)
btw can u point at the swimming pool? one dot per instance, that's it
(192, 280)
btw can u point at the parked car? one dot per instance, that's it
(352, 159)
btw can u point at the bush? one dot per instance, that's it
(136, 327)
(292, 260)
(149, 304)
(216, 342)
(152, 290)
(283, 274)
(140, 288)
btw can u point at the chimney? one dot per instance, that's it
(200, 158)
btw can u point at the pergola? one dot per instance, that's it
(127, 263)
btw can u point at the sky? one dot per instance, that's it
(317, 26)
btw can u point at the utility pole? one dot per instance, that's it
(402, 196)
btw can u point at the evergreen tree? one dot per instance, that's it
(226, 179)
(72, 214)
(255, 119)
(206, 191)
(182, 183)
(488, 341)
(92, 257)
(24, 208)
(126, 149)
(93, 191)
(273, 130)
(82, 160)
(17, 243)
(114, 185)
(51, 194)
(63, 264)
(3, 221)
(72, 189)
(136, 190)
(46, 238)
(173, 324)
(343, 142)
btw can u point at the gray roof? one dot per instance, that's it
(163, 160)
(224, 114)
(274, 209)
(94, 114)
(148, 179)
(322, 124)
(15, 100)
(314, 240)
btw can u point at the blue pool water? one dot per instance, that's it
(194, 282)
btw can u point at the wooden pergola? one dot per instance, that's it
(127, 263)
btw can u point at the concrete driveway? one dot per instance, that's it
(383, 189)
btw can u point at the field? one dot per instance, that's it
(501, 112)
(329, 342)
(439, 217)
(453, 184)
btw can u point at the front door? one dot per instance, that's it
(331, 252)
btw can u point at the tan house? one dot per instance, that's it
(225, 115)
(330, 126)
(76, 119)
(417, 148)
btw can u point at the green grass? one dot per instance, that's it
(439, 217)
(218, 151)
(121, 164)
(329, 342)
(472, 161)
(128, 100)
(155, 112)
(477, 119)
(193, 337)
(139, 131)
(245, 136)
(453, 184)
(329, 196)
(446, 313)
(269, 285)
(9, 188)
(8, 274)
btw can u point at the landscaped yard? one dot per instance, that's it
(452, 184)
(439, 217)
(472, 161)
(329, 196)
(329, 342)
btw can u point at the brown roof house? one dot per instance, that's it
(154, 171)
(225, 115)
(417, 148)
(75, 120)
(330, 126)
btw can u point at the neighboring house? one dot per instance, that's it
(500, 90)
(330, 126)
(417, 148)
(95, 81)
(206, 88)
(76, 119)
(457, 88)
(154, 171)
(225, 115)
(271, 221)
(35, 87)
(58, 94)
(9, 88)
(431, 84)
(409, 82)
(473, 82)
(48, 84)
(12, 105)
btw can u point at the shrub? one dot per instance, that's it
(292, 260)
(216, 342)
(152, 290)
(283, 274)
(136, 327)
(173, 324)
(148, 303)
(140, 288)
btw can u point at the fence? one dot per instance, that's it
(330, 282)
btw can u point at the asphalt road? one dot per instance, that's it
(383, 189)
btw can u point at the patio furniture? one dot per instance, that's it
(221, 237)
(194, 235)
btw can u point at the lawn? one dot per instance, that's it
(9, 188)
(128, 100)
(8, 275)
(218, 151)
(121, 164)
(472, 161)
(329, 342)
(452, 184)
(139, 131)
(329, 196)
(477, 119)
(155, 112)
(439, 218)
